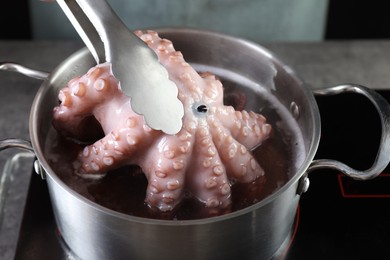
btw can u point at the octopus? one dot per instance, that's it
(210, 153)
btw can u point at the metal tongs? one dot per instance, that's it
(136, 66)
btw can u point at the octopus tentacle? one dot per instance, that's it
(165, 169)
(82, 96)
(249, 129)
(248, 169)
(207, 179)
(213, 93)
(111, 151)
(186, 78)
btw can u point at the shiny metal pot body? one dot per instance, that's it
(256, 232)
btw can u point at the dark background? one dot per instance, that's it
(14, 20)
(358, 19)
(347, 19)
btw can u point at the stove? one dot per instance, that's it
(337, 218)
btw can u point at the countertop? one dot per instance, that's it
(319, 64)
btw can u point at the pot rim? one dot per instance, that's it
(314, 142)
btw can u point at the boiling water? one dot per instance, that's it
(124, 189)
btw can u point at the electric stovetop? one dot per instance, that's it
(337, 218)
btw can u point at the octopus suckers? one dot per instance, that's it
(211, 151)
(266, 129)
(131, 140)
(232, 151)
(173, 185)
(206, 141)
(167, 42)
(193, 90)
(230, 110)
(108, 160)
(94, 150)
(225, 189)
(186, 76)
(152, 33)
(161, 174)
(99, 84)
(211, 183)
(178, 54)
(245, 131)
(184, 148)
(147, 38)
(86, 151)
(220, 135)
(174, 58)
(213, 122)
(115, 136)
(238, 115)
(169, 154)
(238, 124)
(103, 145)
(154, 189)
(79, 89)
(243, 150)
(206, 163)
(212, 93)
(168, 198)
(257, 130)
(212, 203)
(178, 165)
(253, 115)
(243, 170)
(218, 170)
(147, 128)
(95, 166)
(73, 81)
(191, 126)
(131, 122)
(64, 98)
(162, 48)
(245, 115)
(253, 164)
(184, 136)
(94, 73)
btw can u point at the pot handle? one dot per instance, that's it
(383, 156)
(16, 143)
(11, 66)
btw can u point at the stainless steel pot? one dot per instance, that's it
(256, 232)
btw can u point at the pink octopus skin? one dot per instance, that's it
(209, 153)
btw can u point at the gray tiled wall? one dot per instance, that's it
(257, 20)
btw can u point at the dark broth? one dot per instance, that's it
(124, 189)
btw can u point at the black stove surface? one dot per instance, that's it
(337, 218)
(340, 218)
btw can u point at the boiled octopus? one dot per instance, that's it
(204, 159)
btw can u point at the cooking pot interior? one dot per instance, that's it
(267, 84)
